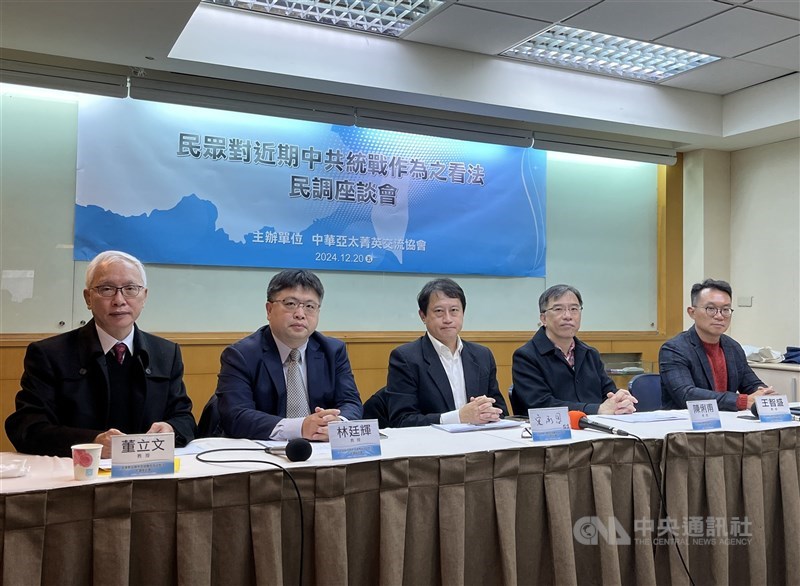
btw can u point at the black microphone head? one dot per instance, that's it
(298, 450)
(754, 410)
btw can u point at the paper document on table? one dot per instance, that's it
(461, 427)
(646, 417)
(212, 443)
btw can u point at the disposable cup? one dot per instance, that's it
(86, 460)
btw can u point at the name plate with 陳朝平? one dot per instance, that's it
(143, 454)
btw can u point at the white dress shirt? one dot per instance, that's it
(107, 341)
(451, 361)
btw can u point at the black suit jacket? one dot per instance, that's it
(418, 390)
(543, 378)
(251, 389)
(686, 372)
(65, 392)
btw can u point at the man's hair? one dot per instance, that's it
(448, 287)
(556, 292)
(723, 286)
(112, 256)
(291, 278)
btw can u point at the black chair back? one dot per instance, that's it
(376, 408)
(209, 425)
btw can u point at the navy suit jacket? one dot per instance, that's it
(543, 378)
(251, 387)
(65, 392)
(418, 390)
(686, 372)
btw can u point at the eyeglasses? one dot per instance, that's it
(128, 291)
(560, 309)
(712, 311)
(291, 304)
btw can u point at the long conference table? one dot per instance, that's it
(487, 507)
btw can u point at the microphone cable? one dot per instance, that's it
(199, 458)
(663, 500)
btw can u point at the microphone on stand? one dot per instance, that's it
(578, 420)
(296, 450)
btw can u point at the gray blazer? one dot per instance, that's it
(686, 372)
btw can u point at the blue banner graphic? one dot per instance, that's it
(182, 185)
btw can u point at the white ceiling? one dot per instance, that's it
(759, 41)
(759, 38)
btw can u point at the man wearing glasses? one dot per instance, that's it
(286, 380)
(104, 379)
(439, 378)
(702, 362)
(556, 369)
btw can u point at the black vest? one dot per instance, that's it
(127, 385)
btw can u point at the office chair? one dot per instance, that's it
(209, 425)
(647, 390)
(376, 408)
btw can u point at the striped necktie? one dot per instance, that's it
(119, 351)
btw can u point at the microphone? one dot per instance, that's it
(297, 450)
(578, 420)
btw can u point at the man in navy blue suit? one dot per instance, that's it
(703, 363)
(440, 378)
(286, 380)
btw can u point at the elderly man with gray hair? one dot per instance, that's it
(556, 369)
(104, 379)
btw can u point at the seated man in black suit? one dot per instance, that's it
(704, 363)
(440, 378)
(104, 379)
(286, 380)
(556, 369)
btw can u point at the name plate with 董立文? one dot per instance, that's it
(142, 454)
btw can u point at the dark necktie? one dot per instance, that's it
(296, 400)
(119, 351)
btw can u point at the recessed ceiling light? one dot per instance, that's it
(389, 18)
(600, 53)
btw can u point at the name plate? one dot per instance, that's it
(142, 454)
(551, 423)
(704, 415)
(354, 439)
(772, 408)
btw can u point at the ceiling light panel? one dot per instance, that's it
(390, 18)
(599, 53)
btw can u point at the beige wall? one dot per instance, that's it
(706, 219)
(742, 224)
(765, 243)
